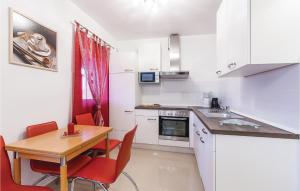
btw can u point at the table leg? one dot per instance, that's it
(17, 168)
(63, 175)
(107, 146)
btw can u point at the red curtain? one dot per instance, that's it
(91, 80)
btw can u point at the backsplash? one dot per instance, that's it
(271, 96)
(179, 92)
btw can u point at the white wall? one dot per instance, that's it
(30, 95)
(272, 96)
(198, 57)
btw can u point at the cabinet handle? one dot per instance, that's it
(204, 131)
(219, 72)
(127, 111)
(197, 132)
(128, 70)
(232, 65)
(201, 139)
(149, 119)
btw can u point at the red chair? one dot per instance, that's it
(6, 181)
(87, 119)
(49, 168)
(103, 171)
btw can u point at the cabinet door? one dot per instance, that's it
(191, 130)
(238, 16)
(122, 62)
(275, 31)
(147, 132)
(150, 57)
(209, 161)
(222, 39)
(122, 101)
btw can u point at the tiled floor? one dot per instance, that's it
(156, 171)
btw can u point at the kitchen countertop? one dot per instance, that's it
(163, 107)
(213, 124)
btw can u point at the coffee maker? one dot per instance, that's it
(215, 103)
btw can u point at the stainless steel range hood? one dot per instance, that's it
(175, 60)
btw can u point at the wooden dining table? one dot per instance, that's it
(53, 147)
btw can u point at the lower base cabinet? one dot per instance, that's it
(147, 131)
(242, 163)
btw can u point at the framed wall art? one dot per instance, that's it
(32, 44)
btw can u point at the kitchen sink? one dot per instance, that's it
(218, 113)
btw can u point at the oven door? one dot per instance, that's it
(174, 128)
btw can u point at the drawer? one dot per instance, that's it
(146, 112)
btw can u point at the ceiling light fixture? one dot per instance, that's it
(154, 5)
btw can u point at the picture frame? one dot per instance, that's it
(31, 43)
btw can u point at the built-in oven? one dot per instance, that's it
(149, 77)
(174, 125)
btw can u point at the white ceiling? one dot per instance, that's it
(135, 19)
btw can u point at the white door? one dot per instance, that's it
(209, 161)
(150, 57)
(222, 39)
(148, 130)
(238, 33)
(122, 101)
(275, 30)
(122, 62)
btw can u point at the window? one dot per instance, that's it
(86, 91)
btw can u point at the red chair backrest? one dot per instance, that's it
(6, 181)
(125, 151)
(85, 119)
(39, 129)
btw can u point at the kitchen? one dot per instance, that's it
(215, 85)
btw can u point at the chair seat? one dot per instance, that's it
(53, 168)
(99, 169)
(113, 143)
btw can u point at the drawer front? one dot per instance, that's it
(146, 112)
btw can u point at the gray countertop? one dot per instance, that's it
(213, 124)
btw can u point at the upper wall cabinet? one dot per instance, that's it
(255, 36)
(150, 57)
(122, 61)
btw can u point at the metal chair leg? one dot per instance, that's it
(94, 186)
(73, 184)
(40, 180)
(102, 186)
(131, 180)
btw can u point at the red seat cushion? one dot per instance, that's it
(113, 143)
(53, 168)
(99, 169)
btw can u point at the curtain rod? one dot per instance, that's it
(83, 27)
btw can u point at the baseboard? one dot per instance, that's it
(164, 148)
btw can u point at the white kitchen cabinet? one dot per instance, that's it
(122, 61)
(192, 128)
(204, 148)
(235, 163)
(275, 31)
(256, 163)
(148, 126)
(150, 57)
(123, 96)
(255, 36)
(222, 39)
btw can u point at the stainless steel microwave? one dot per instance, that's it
(149, 77)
